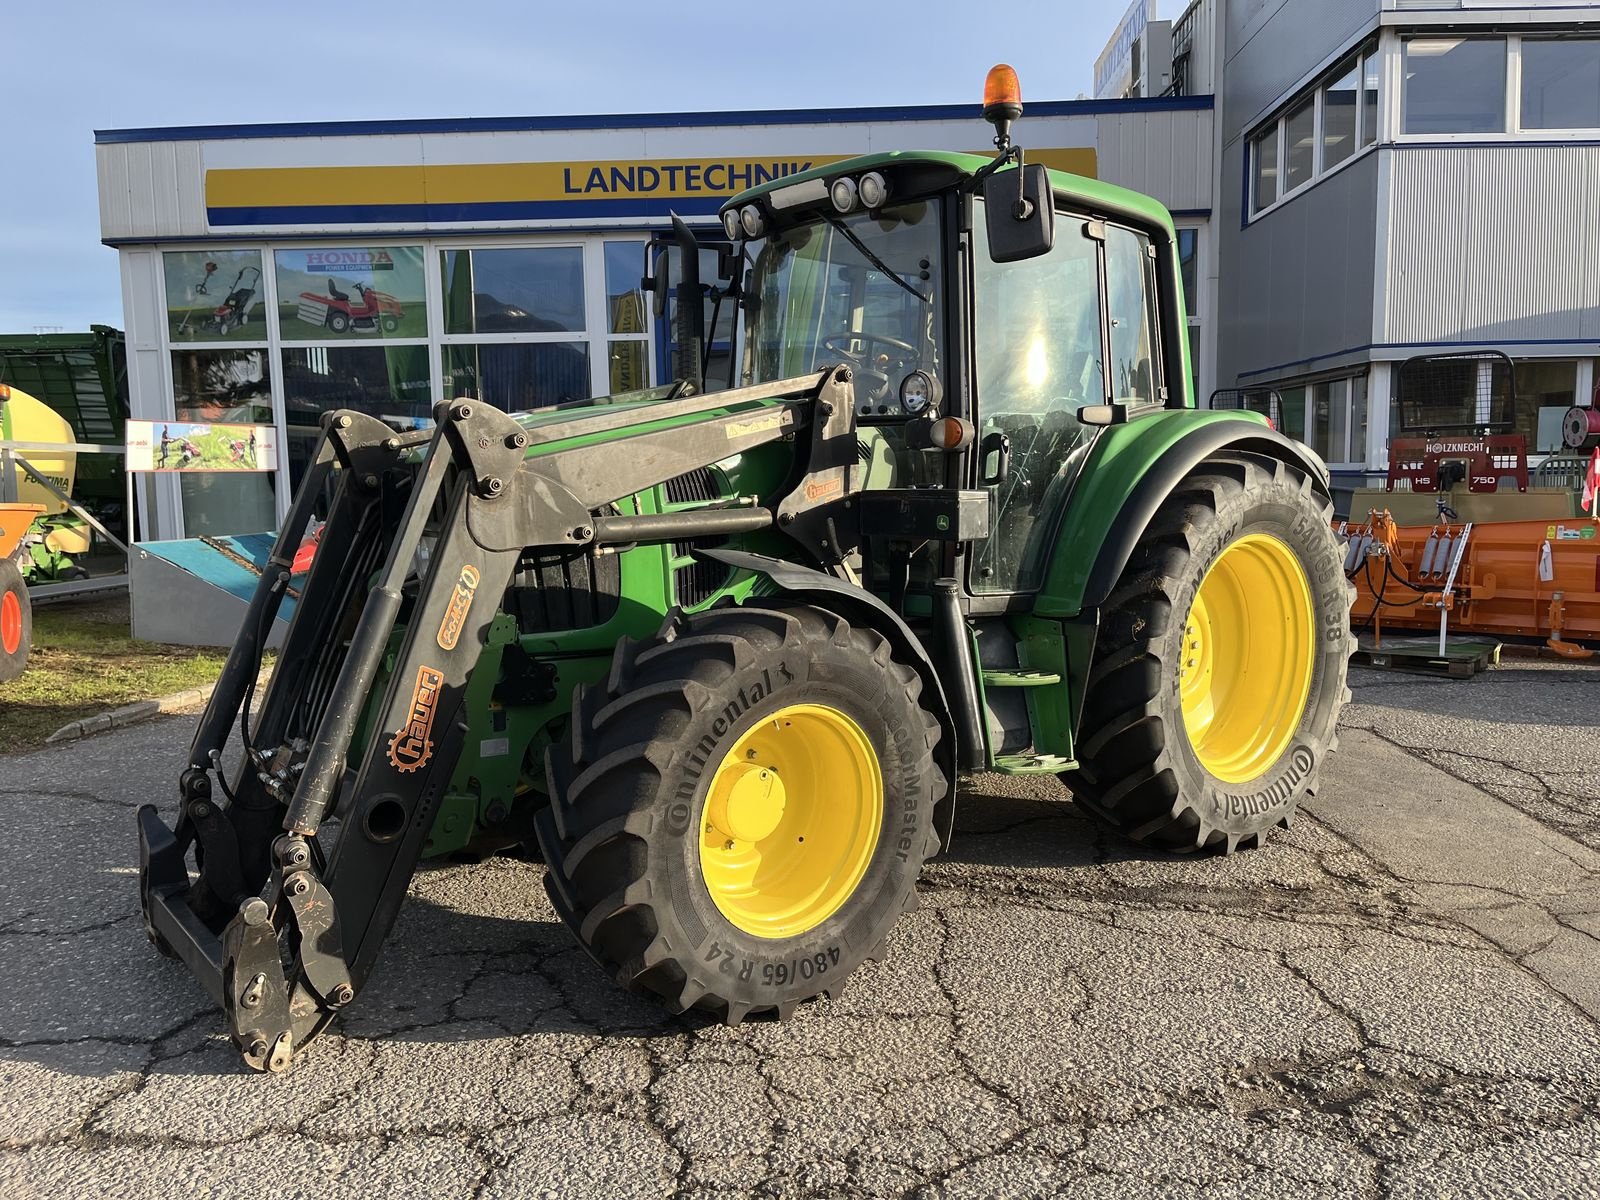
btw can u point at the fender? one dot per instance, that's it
(863, 608)
(1134, 469)
(1167, 471)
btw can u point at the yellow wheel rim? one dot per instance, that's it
(791, 820)
(1249, 644)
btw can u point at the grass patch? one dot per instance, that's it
(84, 661)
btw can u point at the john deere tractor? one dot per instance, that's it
(721, 656)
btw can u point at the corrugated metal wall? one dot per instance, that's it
(1162, 153)
(1493, 244)
(157, 188)
(1197, 29)
(1298, 282)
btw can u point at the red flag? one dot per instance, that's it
(1591, 482)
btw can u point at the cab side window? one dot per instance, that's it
(1131, 298)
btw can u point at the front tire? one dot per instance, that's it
(743, 808)
(1221, 663)
(16, 621)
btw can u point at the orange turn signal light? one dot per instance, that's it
(950, 433)
(1001, 90)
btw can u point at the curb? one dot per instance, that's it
(133, 714)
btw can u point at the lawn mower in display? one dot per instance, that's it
(234, 311)
(1464, 537)
(720, 656)
(338, 314)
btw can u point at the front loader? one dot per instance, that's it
(721, 656)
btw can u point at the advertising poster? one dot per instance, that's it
(193, 447)
(215, 296)
(351, 292)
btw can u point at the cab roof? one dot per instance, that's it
(1090, 193)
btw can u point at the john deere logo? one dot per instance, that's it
(455, 613)
(411, 747)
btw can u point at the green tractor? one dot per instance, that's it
(722, 656)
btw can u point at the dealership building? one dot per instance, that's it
(272, 273)
(1394, 178)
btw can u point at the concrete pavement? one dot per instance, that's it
(1398, 997)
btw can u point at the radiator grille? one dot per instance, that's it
(574, 590)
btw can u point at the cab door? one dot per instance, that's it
(1052, 334)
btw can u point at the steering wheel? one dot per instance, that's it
(877, 384)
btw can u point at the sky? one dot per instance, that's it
(74, 66)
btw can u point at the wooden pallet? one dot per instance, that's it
(1462, 659)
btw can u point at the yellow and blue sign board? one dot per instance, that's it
(501, 193)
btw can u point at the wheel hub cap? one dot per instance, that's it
(746, 803)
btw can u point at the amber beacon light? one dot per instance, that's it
(1002, 102)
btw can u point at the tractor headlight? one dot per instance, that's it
(730, 224)
(843, 194)
(751, 221)
(918, 391)
(874, 189)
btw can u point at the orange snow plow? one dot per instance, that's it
(1501, 555)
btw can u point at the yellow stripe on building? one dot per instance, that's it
(490, 183)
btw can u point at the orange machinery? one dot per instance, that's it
(1463, 537)
(1537, 578)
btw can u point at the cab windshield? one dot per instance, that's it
(863, 289)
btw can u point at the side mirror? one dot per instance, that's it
(655, 281)
(1020, 213)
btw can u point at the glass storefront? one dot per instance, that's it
(282, 334)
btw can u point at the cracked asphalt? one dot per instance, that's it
(1398, 997)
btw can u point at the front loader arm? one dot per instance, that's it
(308, 861)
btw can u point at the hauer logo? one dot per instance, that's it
(455, 613)
(370, 260)
(411, 747)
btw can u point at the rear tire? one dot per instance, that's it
(633, 837)
(16, 621)
(1233, 669)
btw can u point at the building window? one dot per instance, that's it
(1546, 386)
(1316, 132)
(1264, 151)
(1454, 85)
(350, 293)
(518, 376)
(1340, 102)
(526, 289)
(1560, 83)
(527, 327)
(1369, 99)
(389, 382)
(1300, 144)
(214, 296)
(230, 386)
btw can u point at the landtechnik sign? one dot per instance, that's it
(493, 193)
